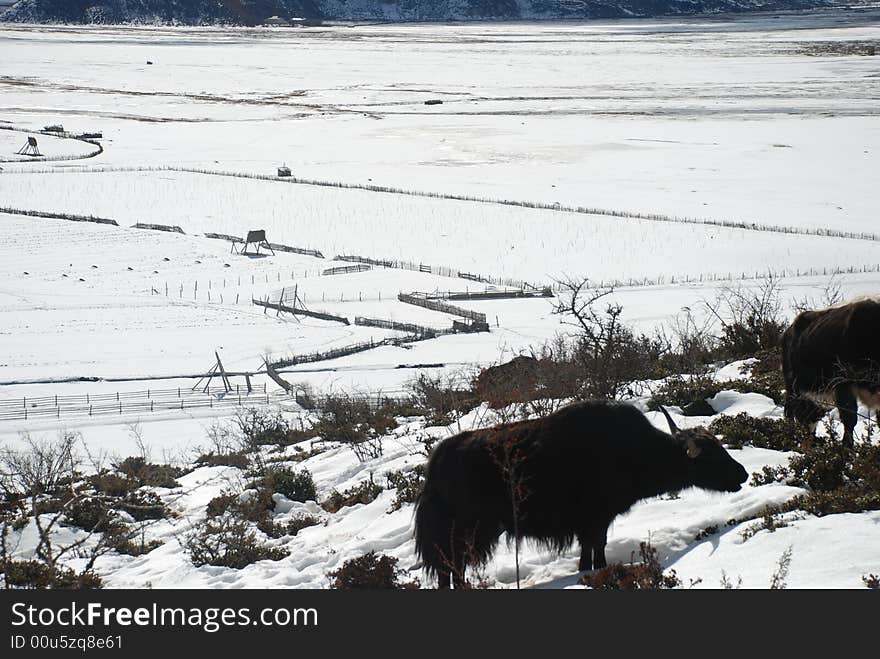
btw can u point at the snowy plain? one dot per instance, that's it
(739, 120)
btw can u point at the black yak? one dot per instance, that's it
(833, 356)
(556, 479)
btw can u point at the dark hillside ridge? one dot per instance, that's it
(255, 12)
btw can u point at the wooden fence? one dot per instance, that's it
(59, 216)
(158, 227)
(346, 269)
(335, 353)
(275, 246)
(296, 311)
(420, 300)
(128, 402)
(419, 330)
(442, 271)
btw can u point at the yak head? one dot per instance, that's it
(803, 410)
(709, 464)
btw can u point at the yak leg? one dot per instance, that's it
(459, 567)
(443, 579)
(599, 548)
(593, 548)
(449, 555)
(848, 408)
(599, 541)
(462, 550)
(452, 572)
(586, 560)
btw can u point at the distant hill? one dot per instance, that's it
(254, 12)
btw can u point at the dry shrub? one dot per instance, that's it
(647, 575)
(370, 571)
(442, 397)
(36, 575)
(227, 541)
(365, 492)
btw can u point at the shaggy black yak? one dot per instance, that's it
(565, 476)
(833, 356)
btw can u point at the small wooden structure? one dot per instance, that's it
(217, 370)
(30, 148)
(54, 128)
(284, 170)
(256, 237)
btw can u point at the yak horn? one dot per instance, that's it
(672, 427)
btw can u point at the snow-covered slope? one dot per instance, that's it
(691, 531)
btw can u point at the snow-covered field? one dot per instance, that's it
(531, 244)
(744, 121)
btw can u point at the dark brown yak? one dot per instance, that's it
(833, 356)
(554, 480)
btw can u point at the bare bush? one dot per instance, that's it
(227, 541)
(610, 356)
(750, 318)
(691, 345)
(443, 397)
(40, 484)
(370, 571)
(831, 295)
(647, 575)
(779, 579)
(353, 420)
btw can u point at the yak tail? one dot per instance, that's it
(433, 531)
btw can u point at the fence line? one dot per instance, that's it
(275, 246)
(296, 250)
(784, 273)
(412, 328)
(488, 294)
(158, 227)
(334, 353)
(420, 300)
(442, 271)
(374, 401)
(60, 135)
(59, 216)
(128, 402)
(537, 205)
(346, 269)
(298, 311)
